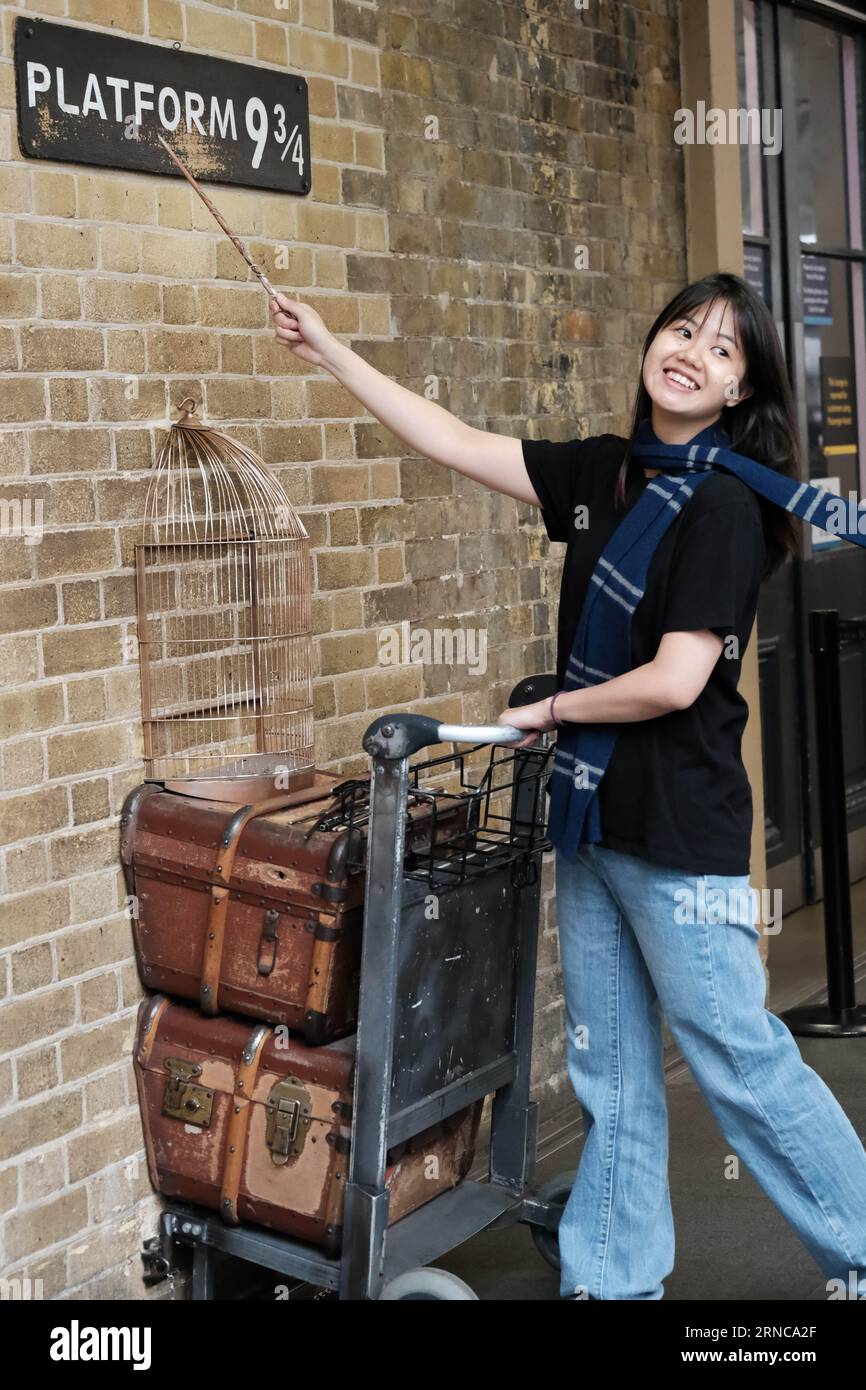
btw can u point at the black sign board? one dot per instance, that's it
(98, 99)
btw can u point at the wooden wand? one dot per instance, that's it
(226, 228)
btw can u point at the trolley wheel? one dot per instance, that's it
(427, 1283)
(555, 1193)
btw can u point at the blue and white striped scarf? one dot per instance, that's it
(602, 642)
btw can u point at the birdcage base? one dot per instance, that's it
(305, 785)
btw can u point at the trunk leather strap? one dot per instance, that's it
(237, 1130)
(220, 880)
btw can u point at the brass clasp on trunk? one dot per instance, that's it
(289, 1111)
(182, 1099)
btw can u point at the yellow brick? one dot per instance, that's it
(271, 44)
(125, 15)
(23, 712)
(19, 660)
(331, 271)
(371, 232)
(169, 351)
(90, 801)
(238, 400)
(327, 186)
(67, 398)
(17, 296)
(98, 997)
(14, 189)
(21, 1023)
(55, 193)
(69, 450)
(233, 308)
(73, 350)
(34, 813)
(81, 599)
(13, 453)
(120, 249)
(122, 301)
(23, 399)
(165, 19)
(345, 652)
(77, 952)
(374, 317)
(22, 764)
(333, 141)
(82, 649)
(29, 1232)
(328, 226)
(8, 351)
(23, 609)
(126, 350)
(128, 398)
(166, 253)
(47, 244)
(369, 149)
(115, 200)
(86, 750)
(86, 700)
(32, 969)
(97, 1048)
(74, 552)
(241, 209)
(316, 14)
(316, 53)
(174, 205)
(365, 68)
(84, 852)
(61, 297)
(179, 303)
(219, 33)
(42, 1176)
(329, 398)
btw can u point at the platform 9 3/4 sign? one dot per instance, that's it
(97, 99)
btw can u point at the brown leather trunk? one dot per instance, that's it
(256, 910)
(256, 1125)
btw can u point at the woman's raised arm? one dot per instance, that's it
(496, 460)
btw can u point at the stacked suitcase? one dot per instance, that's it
(247, 923)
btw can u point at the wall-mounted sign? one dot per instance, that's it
(817, 306)
(98, 99)
(839, 404)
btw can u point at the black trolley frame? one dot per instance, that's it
(445, 1011)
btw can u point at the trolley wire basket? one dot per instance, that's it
(501, 816)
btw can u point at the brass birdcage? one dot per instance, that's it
(223, 593)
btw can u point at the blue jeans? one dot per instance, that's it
(633, 944)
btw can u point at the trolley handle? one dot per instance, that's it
(401, 735)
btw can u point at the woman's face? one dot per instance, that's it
(694, 368)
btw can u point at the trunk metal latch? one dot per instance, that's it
(183, 1100)
(289, 1115)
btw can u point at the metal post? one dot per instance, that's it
(840, 1017)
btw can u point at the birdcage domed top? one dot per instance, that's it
(207, 487)
(223, 587)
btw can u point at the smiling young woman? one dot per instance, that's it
(673, 803)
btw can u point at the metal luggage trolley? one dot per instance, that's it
(445, 1017)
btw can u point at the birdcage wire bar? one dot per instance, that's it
(223, 595)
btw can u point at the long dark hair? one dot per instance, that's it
(763, 425)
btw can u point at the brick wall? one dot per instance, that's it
(447, 258)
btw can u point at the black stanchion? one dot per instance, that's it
(841, 1016)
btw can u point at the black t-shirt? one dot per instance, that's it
(675, 790)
